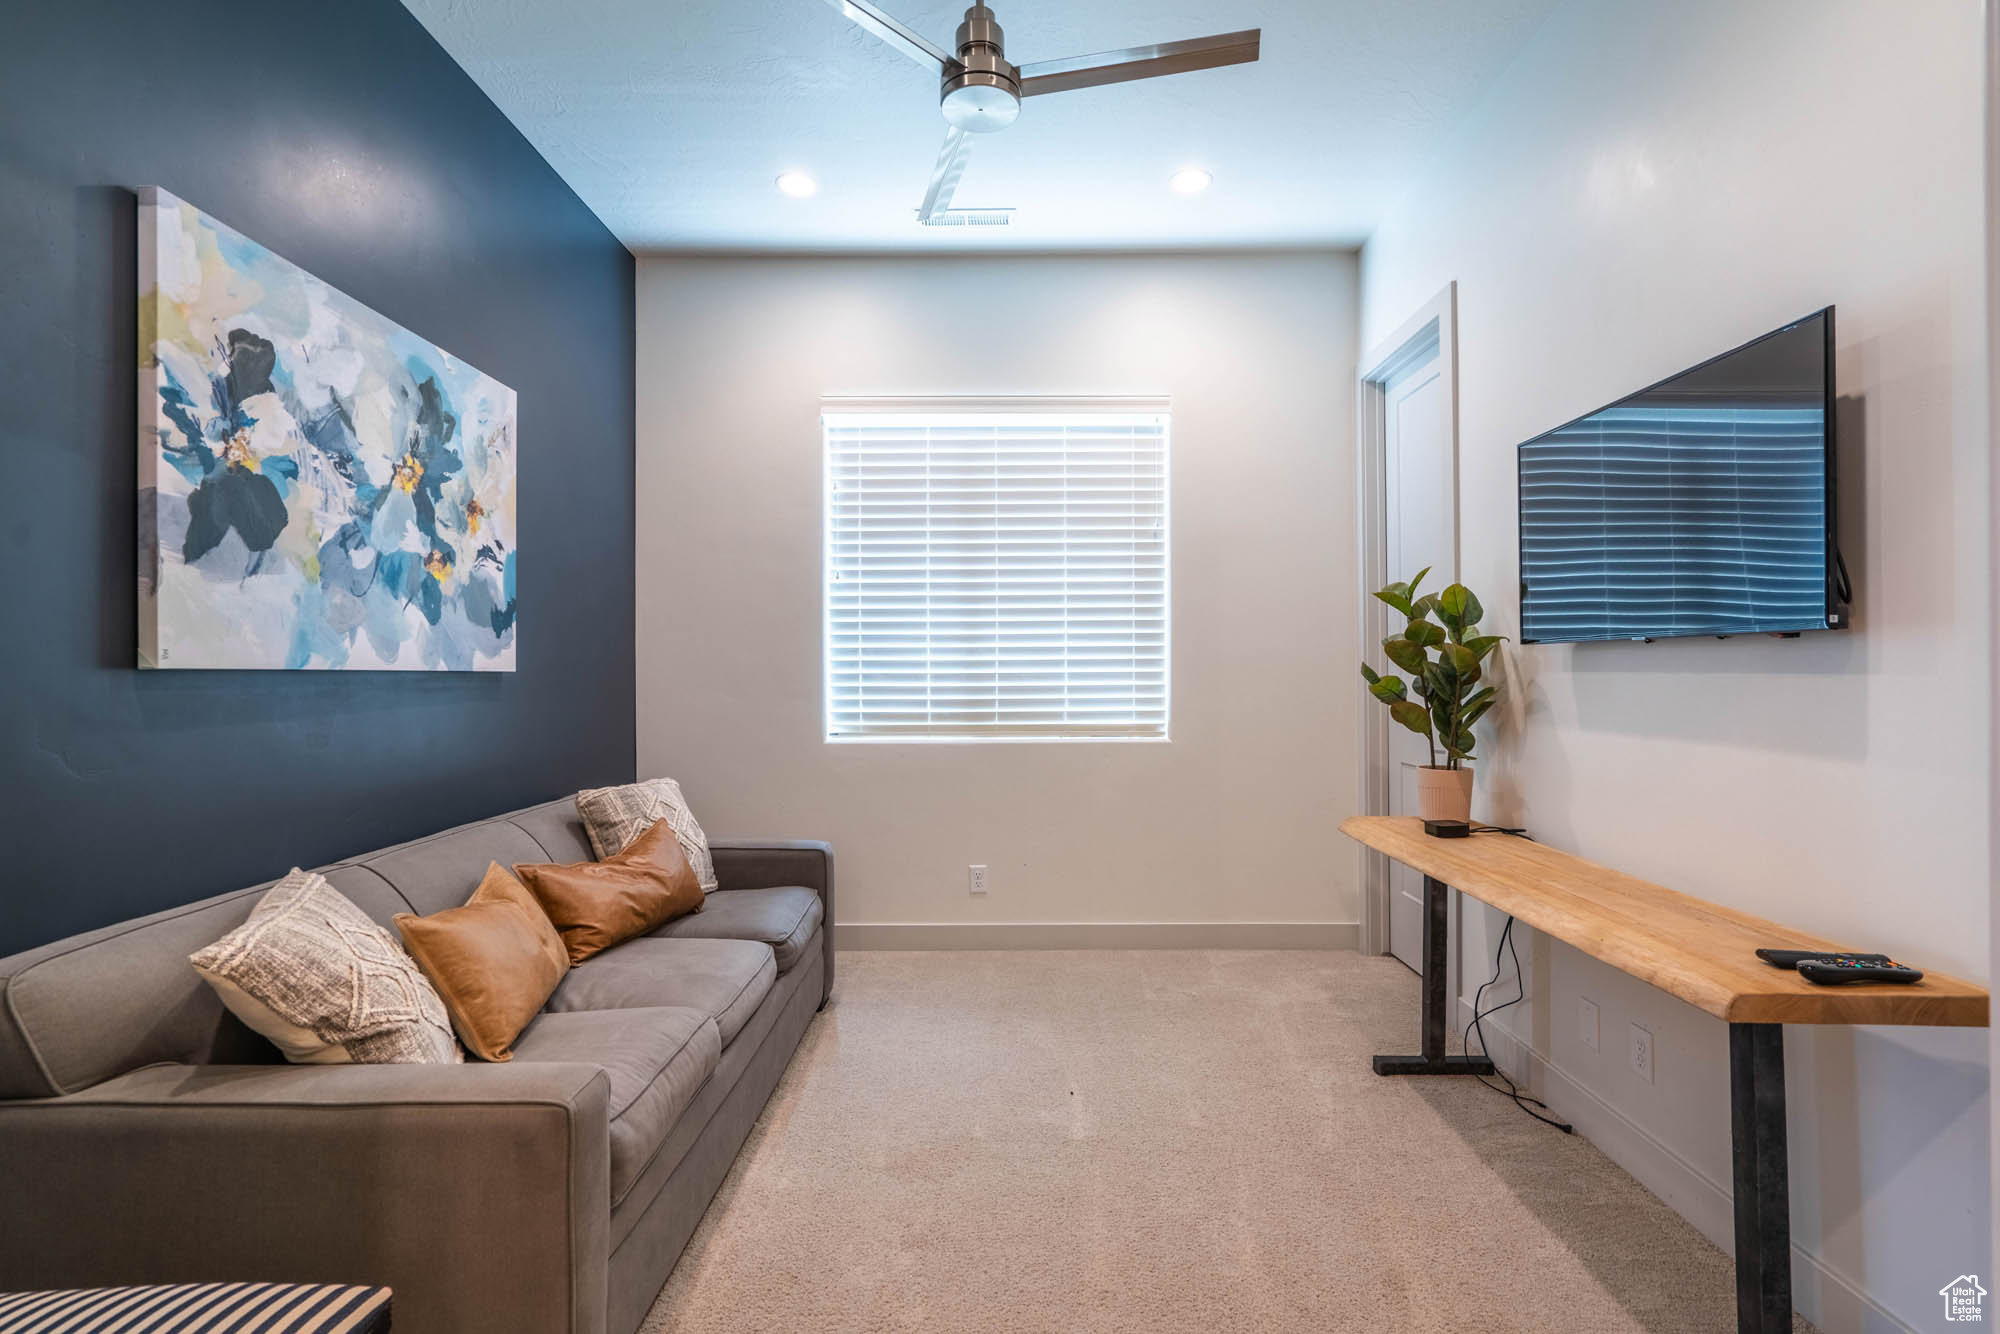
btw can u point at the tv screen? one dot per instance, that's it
(1700, 506)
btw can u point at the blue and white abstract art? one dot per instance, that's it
(319, 487)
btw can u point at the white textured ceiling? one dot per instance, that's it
(672, 118)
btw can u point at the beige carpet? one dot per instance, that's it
(1162, 1141)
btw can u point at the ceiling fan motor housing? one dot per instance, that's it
(981, 92)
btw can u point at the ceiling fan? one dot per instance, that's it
(979, 92)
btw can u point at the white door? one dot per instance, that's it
(1420, 528)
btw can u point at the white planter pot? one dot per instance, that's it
(1444, 794)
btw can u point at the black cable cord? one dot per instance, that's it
(1520, 1099)
(1844, 587)
(1526, 1102)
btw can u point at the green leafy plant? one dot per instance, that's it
(1443, 697)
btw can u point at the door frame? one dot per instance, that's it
(1992, 154)
(1434, 327)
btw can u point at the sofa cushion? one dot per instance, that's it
(655, 1059)
(724, 979)
(557, 827)
(86, 1009)
(441, 871)
(783, 918)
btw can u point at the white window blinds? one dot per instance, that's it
(996, 573)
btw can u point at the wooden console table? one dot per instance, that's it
(1701, 952)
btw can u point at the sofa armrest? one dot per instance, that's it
(761, 863)
(479, 1193)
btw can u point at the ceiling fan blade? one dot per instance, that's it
(894, 33)
(951, 162)
(1140, 62)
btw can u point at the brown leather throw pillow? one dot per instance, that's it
(597, 904)
(494, 961)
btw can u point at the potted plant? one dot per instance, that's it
(1443, 697)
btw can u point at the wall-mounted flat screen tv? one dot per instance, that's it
(1703, 505)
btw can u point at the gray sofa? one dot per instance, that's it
(147, 1136)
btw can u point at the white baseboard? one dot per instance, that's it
(1096, 935)
(1833, 1302)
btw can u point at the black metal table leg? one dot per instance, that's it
(1763, 1194)
(1434, 1061)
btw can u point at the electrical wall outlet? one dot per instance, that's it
(975, 879)
(1642, 1053)
(1586, 1022)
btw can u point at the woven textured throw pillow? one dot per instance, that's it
(317, 976)
(615, 816)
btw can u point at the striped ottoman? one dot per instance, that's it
(199, 1308)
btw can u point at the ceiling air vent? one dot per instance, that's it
(968, 217)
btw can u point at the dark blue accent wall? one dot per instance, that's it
(342, 137)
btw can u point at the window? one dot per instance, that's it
(996, 569)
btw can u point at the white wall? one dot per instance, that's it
(1648, 185)
(1230, 822)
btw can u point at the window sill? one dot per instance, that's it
(995, 740)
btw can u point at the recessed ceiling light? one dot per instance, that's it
(1190, 181)
(797, 184)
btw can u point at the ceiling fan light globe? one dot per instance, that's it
(980, 108)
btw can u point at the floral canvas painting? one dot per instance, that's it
(319, 487)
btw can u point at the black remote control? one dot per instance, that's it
(1828, 972)
(1791, 958)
